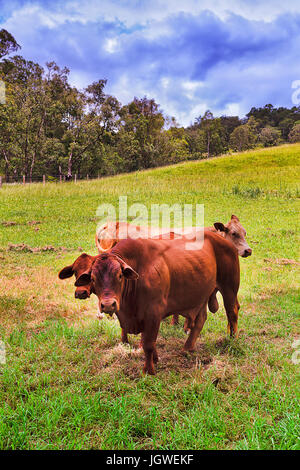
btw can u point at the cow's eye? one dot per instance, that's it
(235, 234)
(120, 276)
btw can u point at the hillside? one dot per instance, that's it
(68, 383)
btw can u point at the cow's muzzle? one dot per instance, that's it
(247, 253)
(81, 294)
(109, 306)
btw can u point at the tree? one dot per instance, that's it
(8, 43)
(294, 135)
(229, 123)
(244, 137)
(269, 136)
(212, 133)
(142, 119)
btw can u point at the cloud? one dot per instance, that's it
(185, 56)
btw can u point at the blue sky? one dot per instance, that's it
(190, 56)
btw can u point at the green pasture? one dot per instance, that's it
(68, 383)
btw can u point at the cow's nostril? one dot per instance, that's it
(247, 252)
(102, 307)
(114, 304)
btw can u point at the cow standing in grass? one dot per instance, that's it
(144, 281)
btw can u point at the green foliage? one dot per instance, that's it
(8, 43)
(242, 138)
(294, 135)
(269, 136)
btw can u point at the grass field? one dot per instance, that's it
(68, 383)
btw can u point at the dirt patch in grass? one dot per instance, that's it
(34, 222)
(10, 223)
(24, 248)
(282, 261)
(28, 249)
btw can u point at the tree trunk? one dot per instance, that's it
(208, 144)
(6, 167)
(69, 174)
(31, 168)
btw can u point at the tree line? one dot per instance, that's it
(49, 127)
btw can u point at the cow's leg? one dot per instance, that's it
(149, 337)
(175, 319)
(195, 330)
(124, 337)
(232, 307)
(188, 325)
(213, 303)
(155, 355)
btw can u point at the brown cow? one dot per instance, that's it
(143, 281)
(80, 265)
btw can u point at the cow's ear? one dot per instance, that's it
(84, 279)
(220, 227)
(234, 217)
(129, 273)
(66, 272)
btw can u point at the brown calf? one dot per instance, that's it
(80, 265)
(235, 233)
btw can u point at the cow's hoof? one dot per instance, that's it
(148, 371)
(189, 350)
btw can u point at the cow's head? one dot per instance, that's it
(236, 233)
(107, 276)
(80, 265)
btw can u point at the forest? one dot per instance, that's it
(49, 127)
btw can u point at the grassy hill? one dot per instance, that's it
(69, 383)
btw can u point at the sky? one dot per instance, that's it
(188, 55)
